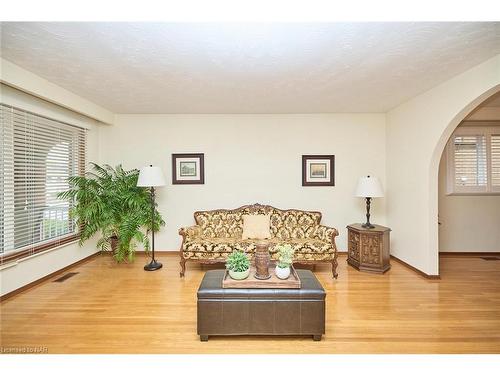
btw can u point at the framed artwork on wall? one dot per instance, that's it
(318, 170)
(188, 169)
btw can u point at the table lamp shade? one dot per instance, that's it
(150, 177)
(369, 187)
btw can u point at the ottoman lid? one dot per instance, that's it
(211, 288)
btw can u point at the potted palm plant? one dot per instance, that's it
(238, 265)
(107, 200)
(285, 260)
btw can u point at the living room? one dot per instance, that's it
(348, 154)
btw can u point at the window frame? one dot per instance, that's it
(42, 246)
(471, 130)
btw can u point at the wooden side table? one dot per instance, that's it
(368, 249)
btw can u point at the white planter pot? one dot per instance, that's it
(239, 275)
(282, 273)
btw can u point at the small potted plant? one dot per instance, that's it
(238, 265)
(285, 260)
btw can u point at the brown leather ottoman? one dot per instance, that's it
(223, 312)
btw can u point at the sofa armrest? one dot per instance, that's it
(193, 231)
(327, 234)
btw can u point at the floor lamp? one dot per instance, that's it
(151, 177)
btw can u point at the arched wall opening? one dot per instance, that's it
(416, 134)
(434, 167)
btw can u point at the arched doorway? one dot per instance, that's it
(434, 167)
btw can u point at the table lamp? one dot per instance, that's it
(369, 187)
(151, 177)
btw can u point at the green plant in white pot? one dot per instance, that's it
(238, 265)
(285, 260)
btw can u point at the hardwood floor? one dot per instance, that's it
(110, 308)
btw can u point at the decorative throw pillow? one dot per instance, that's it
(256, 227)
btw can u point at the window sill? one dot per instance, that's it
(473, 194)
(21, 255)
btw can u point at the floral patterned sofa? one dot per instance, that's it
(218, 232)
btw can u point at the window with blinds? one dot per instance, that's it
(474, 161)
(470, 160)
(37, 157)
(495, 161)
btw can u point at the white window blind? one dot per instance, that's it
(473, 160)
(495, 160)
(470, 160)
(37, 157)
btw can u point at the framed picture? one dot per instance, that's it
(318, 170)
(188, 169)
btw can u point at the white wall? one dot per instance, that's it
(16, 274)
(417, 132)
(253, 158)
(485, 114)
(469, 223)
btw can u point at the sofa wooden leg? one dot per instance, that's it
(334, 268)
(183, 266)
(204, 338)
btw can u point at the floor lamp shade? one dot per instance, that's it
(150, 177)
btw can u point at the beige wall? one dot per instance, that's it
(485, 114)
(469, 223)
(16, 274)
(19, 273)
(417, 132)
(253, 158)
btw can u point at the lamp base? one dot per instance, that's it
(368, 226)
(153, 266)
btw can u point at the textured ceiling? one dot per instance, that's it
(248, 68)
